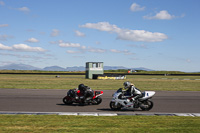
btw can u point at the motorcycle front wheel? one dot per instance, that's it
(114, 107)
(97, 101)
(67, 101)
(146, 105)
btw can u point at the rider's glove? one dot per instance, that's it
(81, 97)
(133, 99)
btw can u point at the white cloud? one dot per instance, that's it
(75, 45)
(4, 25)
(3, 47)
(126, 52)
(162, 15)
(32, 40)
(127, 34)
(78, 33)
(26, 48)
(56, 42)
(83, 47)
(22, 47)
(73, 52)
(141, 35)
(115, 51)
(55, 32)
(135, 7)
(102, 26)
(80, 49)
(96, 50)
(24, 9)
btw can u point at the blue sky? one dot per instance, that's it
(159, 35)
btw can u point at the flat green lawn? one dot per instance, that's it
(128, 124)
(169, 83)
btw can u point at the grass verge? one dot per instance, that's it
(55, 123)
(156, 83)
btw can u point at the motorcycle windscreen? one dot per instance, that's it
(98, 92)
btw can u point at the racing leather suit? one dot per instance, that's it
(133, 92)
(87, 93)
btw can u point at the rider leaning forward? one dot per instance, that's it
(131, 91)
(86, 91)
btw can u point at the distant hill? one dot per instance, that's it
(142, 68)
(58, 68)
(18, 67)
(114, 67)
(54, 68)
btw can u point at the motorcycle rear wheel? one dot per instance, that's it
(114, 107)
(67, 101)
(146, 105)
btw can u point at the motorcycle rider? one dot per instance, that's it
(131, 91)
(86, 91)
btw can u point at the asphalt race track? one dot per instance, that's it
(29, 100)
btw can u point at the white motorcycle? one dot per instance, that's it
(120, 101)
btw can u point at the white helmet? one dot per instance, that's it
(127, 84)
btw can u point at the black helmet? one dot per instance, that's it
(81, 87)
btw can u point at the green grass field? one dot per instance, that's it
(148, 82)
(109, 124)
